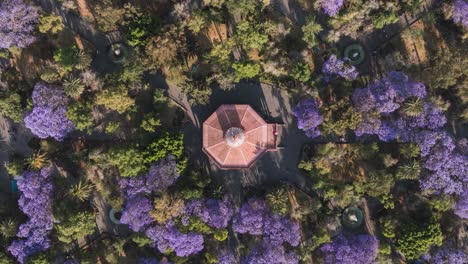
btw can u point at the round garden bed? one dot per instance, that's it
(355, 53)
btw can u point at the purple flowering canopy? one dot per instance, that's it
(215, 213)
(160, 176)
(17, 23)
(251, 217)
(461, 207)
(447, 254)
(167, 237)
(36, 202)
(308, 117)
(379, 105)
(136, 213)
(226, 256)
(460, 12)
(331, 7)
(334, 66)
(255, 218)
(448, 168)
(351, 249)
(48, 118)
(266, 253)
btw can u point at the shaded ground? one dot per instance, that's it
(13, 137)
(274, 106)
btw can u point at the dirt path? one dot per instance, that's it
(414, 43)
(84, 11)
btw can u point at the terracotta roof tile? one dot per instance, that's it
(255, 131)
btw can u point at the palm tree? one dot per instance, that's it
(409, 171)
(310, 31)
(37, 160)
(8, 228)
(413, 107)
(80, 190)
(73, 87)
(83, 60)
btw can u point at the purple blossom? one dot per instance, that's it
(251, 217)
(363, 95)
(461, 206)
(36, 202)
(460, 12)
(215, 213)
(431, 117)
(331, 7)
(350, 249)
(449, 255)
(152, 261)
(426, 140)
(448, 170)
(308, 117)
(46, 122)
(386, 95)
(226, 256)
(160, 176)
(169, 238)
(335, 66)
(279, 229)
(17, 23)
(378, 104)
(268, 254)
(136, 213)
(255, 218)
(49, 95)
(48, 118)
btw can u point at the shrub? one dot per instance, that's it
(80, 113)
(50, 24)
(381, 19)
(10, 106)
(416, 239)
(116, 99)
(246, 70)
(76, 226)
(164, 145)
(128, 160)
(310, 31)
(301, 72)
(221, 235)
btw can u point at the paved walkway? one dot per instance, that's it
(13, 138)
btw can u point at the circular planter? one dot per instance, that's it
(352, 217)
(115, 216)
(355, 53)
(118, 52)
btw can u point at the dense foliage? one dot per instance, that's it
(371, 97)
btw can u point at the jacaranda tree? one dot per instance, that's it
(308, 117)
(460, 12)
(48, 118)
(350, 249)
(334, 66)
(331, 7)
(35, 202)
(18, 21)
